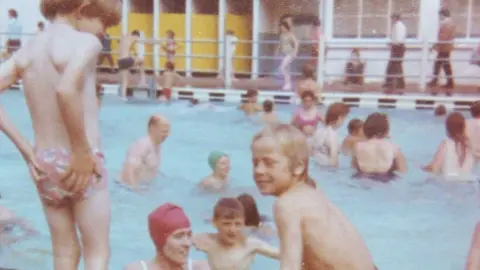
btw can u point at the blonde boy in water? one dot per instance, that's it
(229, 248)
(313, 233)
(66, 162)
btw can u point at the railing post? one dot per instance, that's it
(321, 61)
(424, 64)
(227, 61)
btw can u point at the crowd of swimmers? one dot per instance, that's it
(67, 164)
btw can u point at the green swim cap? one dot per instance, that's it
(214, 157)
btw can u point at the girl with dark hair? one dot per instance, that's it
(377, 157)
(454, 159)
(254, 222)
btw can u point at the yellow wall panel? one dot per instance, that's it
(242, 26)
(115, 33)
(143, 23)
(176, 23)
(204, 27)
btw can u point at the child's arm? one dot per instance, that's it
(473, 260)
(202, 241)
(436, 164)
(334, 149)
(290, 233)
(9, 73)
(265, 249)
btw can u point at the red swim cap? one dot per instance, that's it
(163, 221)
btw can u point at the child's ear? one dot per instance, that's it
(299, 168)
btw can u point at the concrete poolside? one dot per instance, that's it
(271, 83)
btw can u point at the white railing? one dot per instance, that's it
(323, 73)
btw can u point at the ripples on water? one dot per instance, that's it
(408, 224)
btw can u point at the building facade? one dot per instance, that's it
(200, 25)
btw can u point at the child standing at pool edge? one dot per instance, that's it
(313, 233)
(67, 162)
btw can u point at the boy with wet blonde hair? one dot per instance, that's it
(313, 232)
(229, 248)
(66, 161)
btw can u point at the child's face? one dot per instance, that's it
(253, 99)
(308, 102)
(223, 165)
(91, 25)
(178, 244)
(272, 170)
(230, 229)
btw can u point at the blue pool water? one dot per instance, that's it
(410, 224)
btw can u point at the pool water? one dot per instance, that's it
(410, 224)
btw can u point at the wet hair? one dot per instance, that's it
(135, 33)
(285, 25)
(153, 120)
(335, 112)
(228, 208)
(252, 93)
(354, 126)
(308, 94)
(396, 16)
(13, 13)
(169, 66)
(376, 126)
(455, 125)
(194, 101)
(475, 109)
(252, 216)
(440, 110)
(292, 142)
(109, 11)
(171, 33)
(308, 71)
(268, 106)
(445, 12)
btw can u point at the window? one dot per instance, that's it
(371, 18)
(141, 6)
(466, 15)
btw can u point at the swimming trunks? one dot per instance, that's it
(55, 162)
(379, 177)
(125, 63)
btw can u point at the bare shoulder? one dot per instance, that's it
(87, 43)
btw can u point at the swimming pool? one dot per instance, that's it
(407, 225)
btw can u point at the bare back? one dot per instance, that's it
(328, 239)
(375, 155)
(171, 79)
(42, 63)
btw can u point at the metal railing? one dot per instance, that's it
(321, 61)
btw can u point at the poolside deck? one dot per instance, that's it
(269, 83)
